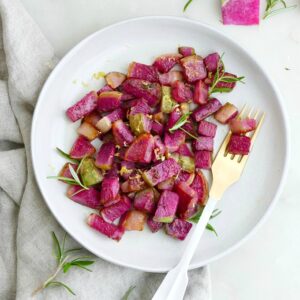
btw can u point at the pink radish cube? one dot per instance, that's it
(159, 149)
(211, 62)
(140, 107)
(144, 201)
(133, 220)
(154, 226)
(168, 184)
(82, 148)
(166, 62)
(142, 71)
(89, 198)
(157, 128)
(238, 126)
(185, 150)
(109, 190)
(193, 68)
(239, 144)
(88, 131)
(83, 107)
(170, 78)
(105, 123)
(174, 140)
(207, 129)
(178, 229)
(186, 51)
(186, 177)
(181, 92)
(108, 101)
(115, 79)
(105, 156)
(204, 143)
(203, 159)
(207, 109)
(226, 113)
(92, 118)
(134, 183)
(65, 171)
(200, 92)
(127, 167)
(122, 135)
(200, 185)
(106, 88)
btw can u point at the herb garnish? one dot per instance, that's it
(128, 292)
(180, 122)
(271, 10)
(196, 217)
(187, 5)
(64, 264)
(66, 155)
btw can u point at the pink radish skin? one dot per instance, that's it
(203, 159)
(226, 113)
(178, 229)
(207, 129)
(238, 126)
(82, 148)
(89, 198)
(186, 51)
(165, 63)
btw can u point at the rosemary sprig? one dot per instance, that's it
(128, 292)
(196, 217)
(66, 155)
(271, 10)
(64, 264)
(180, 122)
(187, 5)
(188, 133)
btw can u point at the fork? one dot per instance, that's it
(226, 170)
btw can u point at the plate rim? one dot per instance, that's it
(208, 27)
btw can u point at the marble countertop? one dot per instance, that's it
(267, 266)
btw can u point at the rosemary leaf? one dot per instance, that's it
(58, 283)
(188, 133)
(66, 155)
(180, 122)
(271, 10)
(211, 228)
(187, 5)
(128, 292)
(57, 247)
(76, 178)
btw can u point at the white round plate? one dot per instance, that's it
(243, 206)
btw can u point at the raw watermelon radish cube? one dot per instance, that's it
(181, 92)
(127, 168)
(166, 207)
(110, 230)
(82, 148)
(161, 172)
(157, 128)
(186, 177)
(89, 198)
(105, 88)
(200, 92)
(173, 118)
(141, 149)
(154, 226)
(211, 62)
(200, 185)
(167, 184)
(140, 107)
(108, 101)
(109, 190)
(203, 159)
(193, 68)
(144, 201)
(237, 12)
(87, 130)
(165, 63)
(226, 113)
(133, 220)
(142, 71)
(83, 107)
(186, 51)
(89, 173)
(105, 156)
(122, 135)
(113, 171)
(140, 123)
(204, 111)
(174, 140)
(159, 149)
(115, 211)
(188, 200)
(134, 183)
(139, 88)
(115, 79)
(184, 149)
(105, 123)
(170, 78)
(239, 144)
(238, 126)
(178, 229)
(65, 171)
(207, 129)
(204, 143)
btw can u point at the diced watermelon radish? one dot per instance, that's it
(206, 110)
(109, 190)
(203, 159)
(106, 88)
(115, 79)
(207, 129)
(184, 149)
(113, 171)
(186, 177)
(144, 201)
(110, 230)
(154, 226)
(89, 198)
(200, 92)
(88, 131)
(181, 92)
(89, 173)
(133, 220)
(81, 148)
(211, 62)
(204, 143)
(159, 149)
(166, 207)
(140, 107)
(200, 185)
(193, 68)
(237, 12)
(83, 107)
(178, 229)
(239, 126)
(167, 184)
(126, 97)
(133, 184)
(141, 149)
(105, 123)
(188, 199)
(92, 118)
(174, 140)
(142, 71)
(140, 123)
(157, 128)
(65, 171)
(127, 168)
(186, 51)
(161, 172)
(122, 134)
(239, 144)
(108, 101)
(226, 113)
(170, 78)
(115, 211)
(139, 88)
(173, 118)
(105, 156)
(165, 63)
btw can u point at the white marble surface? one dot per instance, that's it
(267, 266)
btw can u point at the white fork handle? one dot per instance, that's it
(174, 284)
